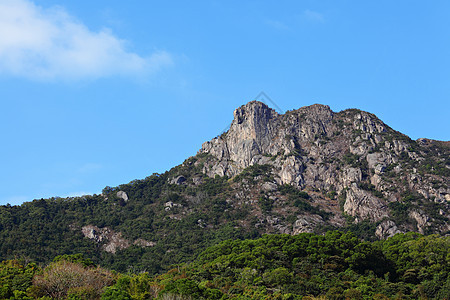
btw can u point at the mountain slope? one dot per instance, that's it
(308, 170)
(377, 173)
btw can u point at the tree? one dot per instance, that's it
(63, 277)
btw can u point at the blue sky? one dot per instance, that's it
(97, 93)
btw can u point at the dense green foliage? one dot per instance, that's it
(16, 278)
(336, 265)
(43, 229)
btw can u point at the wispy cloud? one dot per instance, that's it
(277, 25)
(48, 44)
(313, 16)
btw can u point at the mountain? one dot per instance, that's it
(349, 162)
(308, 170)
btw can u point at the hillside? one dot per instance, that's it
(285, 267)
(308, 170)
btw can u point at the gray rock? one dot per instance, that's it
(144, 243)
(364, 205)
(197, 180)
(306, 223)
(421, 219)
(351, 175)
(256, 130)
(169, 205)
(386, 229)
(269, 187)
(112, 241)
(122, 195)
(377, 161)
(178, 180)
(291, 171)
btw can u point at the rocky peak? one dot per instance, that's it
(249, 136)
(251, 132)
(352, 154)
(253, 116)
(258, 131)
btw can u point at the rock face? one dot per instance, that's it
(111, 241)
(122, 195)
(386, 229)
(179, 180)
(421, 219)
(351, 155)
(306, 224)
(257, 132)
(363, 204)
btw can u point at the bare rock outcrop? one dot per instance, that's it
(421, 219)
(306, 223)
(111, 241)
(122, 195)
(258, 131)
(144, 243)
(179, 180)
(386, 229)
(350, 153)
(377, 161)
(362, 204)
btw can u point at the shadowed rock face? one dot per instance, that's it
(351, 154)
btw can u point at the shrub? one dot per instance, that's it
(114, 293)
(61, 277)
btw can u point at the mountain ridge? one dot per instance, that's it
(308, 170)
(315, 134)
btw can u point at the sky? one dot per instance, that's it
(99, 93)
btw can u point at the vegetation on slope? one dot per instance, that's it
(45, 228)
(336, 265)
(178, 220)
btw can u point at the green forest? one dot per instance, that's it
(215, 238)
(43, 229)
(202, 216)
(336, 265)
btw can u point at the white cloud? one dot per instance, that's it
(313, 16)
(49, 44)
